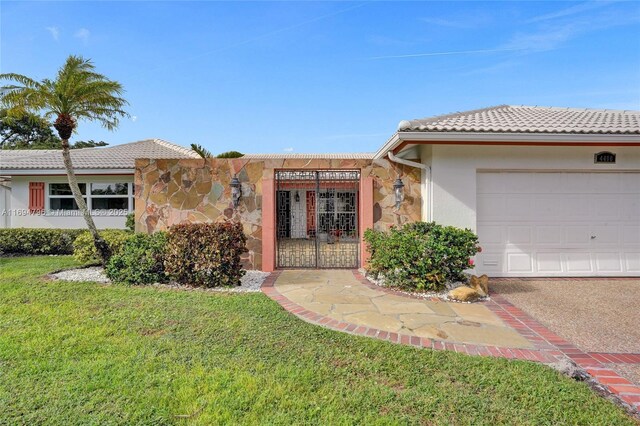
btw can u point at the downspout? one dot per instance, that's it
(424, 167)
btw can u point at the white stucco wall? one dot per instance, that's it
(5, 204)
(454, 169)
(20, 204)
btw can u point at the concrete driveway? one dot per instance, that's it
(597, 315)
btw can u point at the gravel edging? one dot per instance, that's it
(442, 295)
(251, 282)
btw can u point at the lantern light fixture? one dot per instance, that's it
(398, 189)
(236, 191)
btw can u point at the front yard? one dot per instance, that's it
(80, 353)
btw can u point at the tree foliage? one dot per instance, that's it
(201, 151)
(230, 154)
(26, 132)
(33, 132)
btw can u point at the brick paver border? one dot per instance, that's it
(548, 346)
(616, 357)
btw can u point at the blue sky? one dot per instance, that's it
(327, 76)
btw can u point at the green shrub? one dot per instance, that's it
(421, 256)
(230, 154)
(205, 254)
(131, 222)
(31, 241)
(140, 261)
(85, 251)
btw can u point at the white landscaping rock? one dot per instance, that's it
(250, 282)
(93, 273)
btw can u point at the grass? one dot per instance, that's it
(83, 353)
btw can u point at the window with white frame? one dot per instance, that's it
(61, 197)
(114, 197)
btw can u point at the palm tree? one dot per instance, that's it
(77, 93)
(201, 151)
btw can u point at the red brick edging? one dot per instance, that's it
(548, 346)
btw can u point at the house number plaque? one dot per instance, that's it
(604, 157)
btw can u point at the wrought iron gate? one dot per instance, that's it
(317, 218)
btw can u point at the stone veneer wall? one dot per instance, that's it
(171, 191)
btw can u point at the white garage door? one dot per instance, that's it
(558, 224)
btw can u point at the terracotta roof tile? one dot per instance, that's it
(530, 119)
(111, 157)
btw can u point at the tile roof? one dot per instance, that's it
(530, 119)
(335, 156)
(111, 157)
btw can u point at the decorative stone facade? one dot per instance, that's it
(171, 191)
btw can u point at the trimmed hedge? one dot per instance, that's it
(205, 254)
(421, 256)
(140, 261)
(85, 251)
(131, 222)
(37, 241)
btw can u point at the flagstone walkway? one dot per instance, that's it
(339, 295)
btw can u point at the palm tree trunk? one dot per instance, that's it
(101, 246)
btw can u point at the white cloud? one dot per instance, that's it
(551, 35)
(569, 11)
(83, 34)
(288, 149)
(134, 118)
(451, 52)
(54, 31)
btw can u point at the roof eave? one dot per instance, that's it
(79, 172)
(480, 137)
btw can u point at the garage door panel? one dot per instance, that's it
(577, 183)
(492, 207)
(604, 182)
(605, 235)
(605, 207)
(548, 183)
(632, 262)
(520, 184)
(488, 183)
(608, 262)
(542, 224)
(629, 206)
(576, 207)
(549, 235)
(629, 183)
(519, 263)
(579, 263)
(549, 263)
(631, 234)
(519, 235)
(490, 262)
(492, 235)
(578, 235)
(519, 206)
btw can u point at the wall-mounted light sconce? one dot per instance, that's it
(398, 189)
(236, 191)
(297, 197)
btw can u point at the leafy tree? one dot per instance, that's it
(76, 93)
(88, 144)
(230, 154)
(26, 132)
(201, 151)
(33, 132)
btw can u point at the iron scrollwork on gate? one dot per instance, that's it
(317, 218)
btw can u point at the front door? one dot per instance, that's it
(317, 219)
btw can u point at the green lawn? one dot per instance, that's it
(83, 353)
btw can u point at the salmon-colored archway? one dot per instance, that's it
(365, 217)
